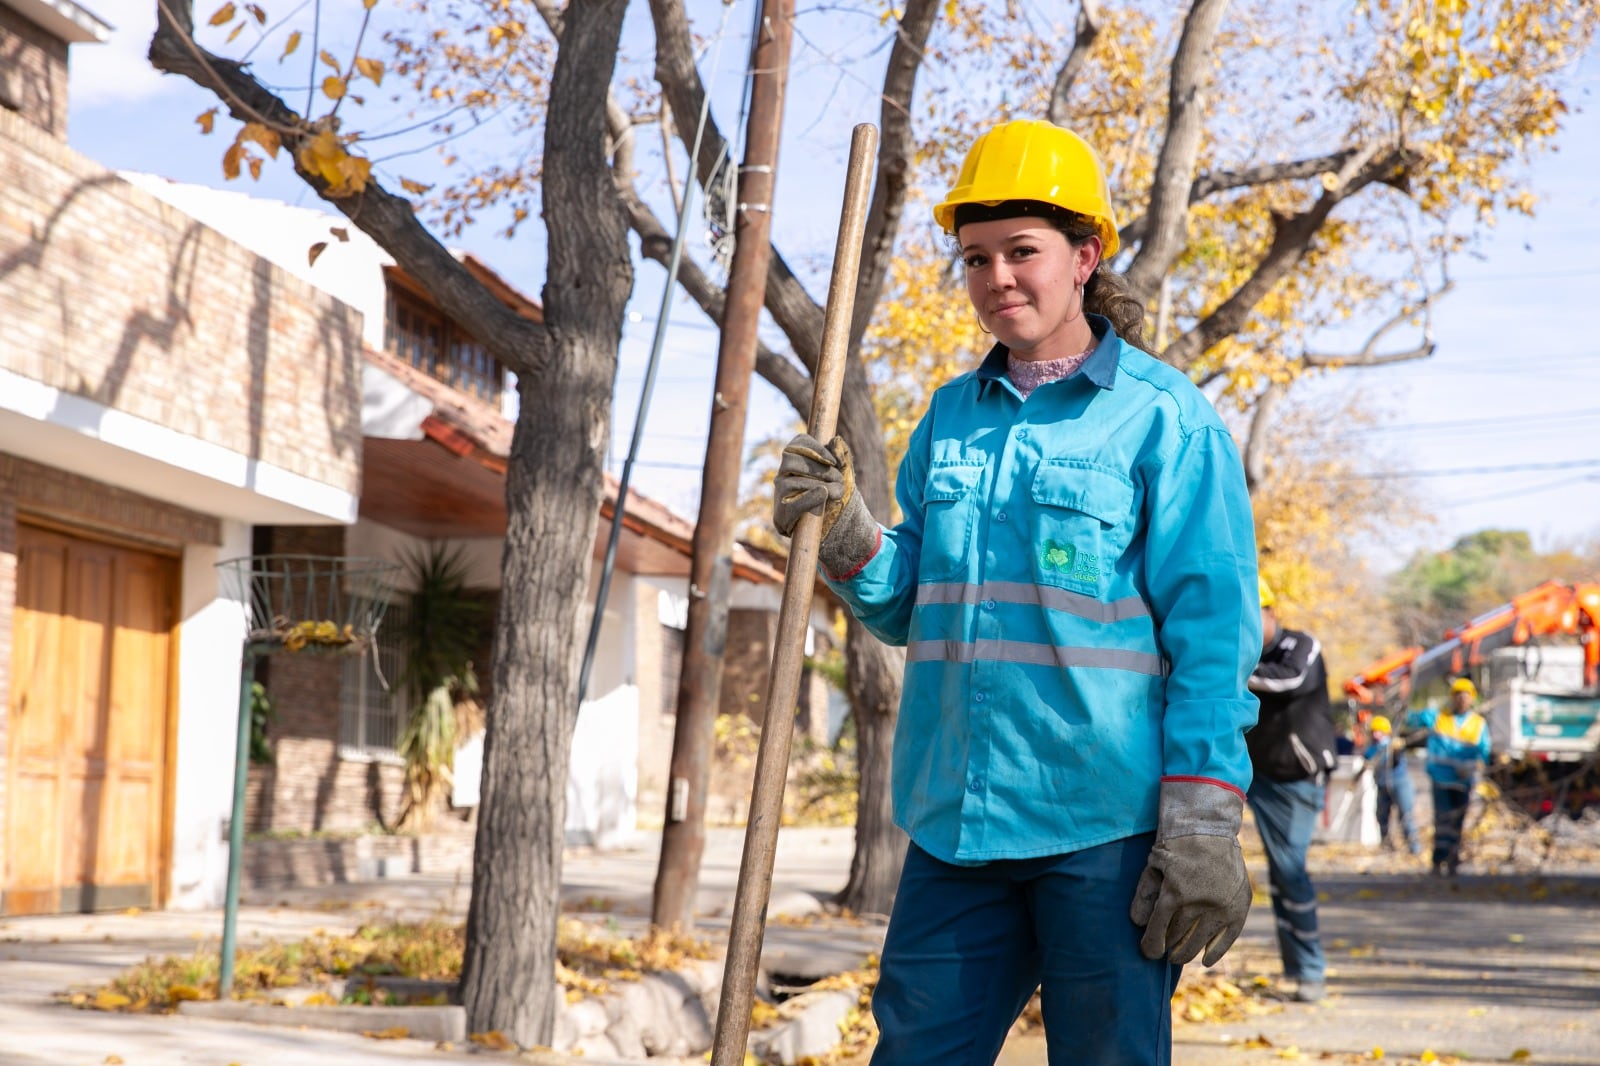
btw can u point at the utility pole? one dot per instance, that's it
(683, 838)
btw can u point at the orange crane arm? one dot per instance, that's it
(1553, 607)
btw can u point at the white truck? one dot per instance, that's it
(1536, 704)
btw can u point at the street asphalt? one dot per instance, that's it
(1501, 961)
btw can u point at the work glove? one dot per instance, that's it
(816, 480)
(1194, 893)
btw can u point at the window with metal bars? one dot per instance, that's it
(673, 643)
(373, 705)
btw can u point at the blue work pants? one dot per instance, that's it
(1395, 794)
(1286, 815)
(967, 946)
(1449, 818)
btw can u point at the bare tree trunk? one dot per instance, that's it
(873, 674)
(553, 491)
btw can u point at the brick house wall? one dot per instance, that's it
(747, 665)
(33, 73)
(115, 297)
(8, 600)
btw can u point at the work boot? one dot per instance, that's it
(1310, 992)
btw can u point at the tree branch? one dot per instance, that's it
(1255, 448)
(1174, 176)
(656, 243)
(1226, 180)
(388, 219)
(1088, 28)
(1291, 237)
(1369, 354)
(896, 148)
(794, 310)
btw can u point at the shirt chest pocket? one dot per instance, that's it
(1082, 521)
(950, 509)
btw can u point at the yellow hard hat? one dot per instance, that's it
(1027, 159)
(1379, 724)
(1265, 591)
(1464, 684)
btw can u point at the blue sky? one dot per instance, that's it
(1515, 382)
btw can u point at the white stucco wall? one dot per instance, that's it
(210, 650)
(603, 772)
(603, 788)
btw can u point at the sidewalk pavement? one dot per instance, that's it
(1480, 967)
(42, 956)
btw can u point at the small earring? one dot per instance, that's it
(985, 328)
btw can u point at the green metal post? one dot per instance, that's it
(241, 775)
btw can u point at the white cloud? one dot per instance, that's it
(117, 71)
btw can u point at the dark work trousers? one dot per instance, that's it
(1449, 817)
(967, 946)
(1286, 814)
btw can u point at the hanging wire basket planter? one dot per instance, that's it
(320, 603)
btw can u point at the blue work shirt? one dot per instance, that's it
(1074, 582)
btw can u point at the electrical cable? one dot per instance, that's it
(663, 317)
(1464, 471)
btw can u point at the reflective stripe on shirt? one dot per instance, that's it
(1017, 651)
(1046, 596)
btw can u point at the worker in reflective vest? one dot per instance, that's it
(1458, 749)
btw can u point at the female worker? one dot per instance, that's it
(1074, 582)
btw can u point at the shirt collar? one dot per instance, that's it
(1100, 368)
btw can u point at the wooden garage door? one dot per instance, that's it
(86, 767)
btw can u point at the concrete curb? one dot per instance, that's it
(420, 1023)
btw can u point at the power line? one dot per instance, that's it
(1486, 423)
(1465, 471)
(1527, 490)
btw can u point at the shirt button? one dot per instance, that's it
(975, 785)
(977, 697)
(988, 605)
(1001, 517)
(1022, 434)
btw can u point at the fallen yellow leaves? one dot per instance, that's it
(1213, 998)
(494, 1040)
(108, 1000)
(394, 1032)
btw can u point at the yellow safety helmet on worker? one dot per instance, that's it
(1027, 159)
(1380, 724)
(1464, 684)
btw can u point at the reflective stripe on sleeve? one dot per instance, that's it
(1017, 651)
(1023, 592)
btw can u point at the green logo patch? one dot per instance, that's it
(1058, 557)
(1068, 559)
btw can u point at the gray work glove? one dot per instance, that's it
(1194, 892)
(816, 480)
